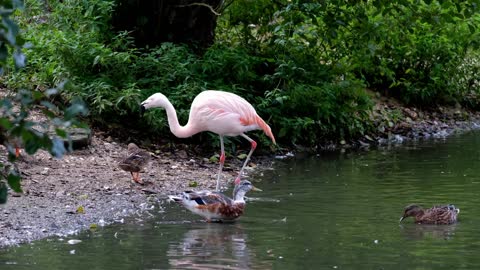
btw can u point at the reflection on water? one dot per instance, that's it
(422, 231)
(334, 211)
(225, 243)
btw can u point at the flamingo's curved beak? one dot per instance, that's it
(142, 110)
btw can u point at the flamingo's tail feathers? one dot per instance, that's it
(266, 128)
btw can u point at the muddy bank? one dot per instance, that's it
(394, 124)
(87, 189)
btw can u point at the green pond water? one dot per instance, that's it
(334, 211)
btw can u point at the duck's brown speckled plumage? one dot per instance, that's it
(221, 204)
(214, 206)
(439, 214)
(135, 161)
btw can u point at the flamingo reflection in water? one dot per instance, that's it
(213, 246)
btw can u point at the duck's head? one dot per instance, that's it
(411, 211)
(242, 188)
(155, 100)
(452, 207)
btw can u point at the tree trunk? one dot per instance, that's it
(152, 22)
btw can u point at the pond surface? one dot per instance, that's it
(335, 211)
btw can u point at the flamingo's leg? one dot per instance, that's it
(222, 161)
(253, 146)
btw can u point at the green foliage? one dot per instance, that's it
(411, 49)
(10, 40)
(18, 130)
(312, 114)
(303, 65)
(312, 95)
(421, 52)
(16, 127)
(466, 81)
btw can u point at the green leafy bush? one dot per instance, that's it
(304, 65)
(311, 80)
(411, 49)
(10, 40)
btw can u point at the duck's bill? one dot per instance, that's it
(402, 218)
(256, 189)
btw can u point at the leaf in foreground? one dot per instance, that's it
(80, 210)
(14, 182)
(3, 192)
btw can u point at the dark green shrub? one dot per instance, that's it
(304, 65)
(411, 49)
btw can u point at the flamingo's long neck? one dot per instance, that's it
(175, 127)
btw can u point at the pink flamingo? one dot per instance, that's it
(223, 113)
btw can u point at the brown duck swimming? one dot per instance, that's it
(134, 162)
(439, 214)
(213, 205)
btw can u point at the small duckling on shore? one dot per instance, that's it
(135, 161)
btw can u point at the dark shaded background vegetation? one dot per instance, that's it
(305, 66)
